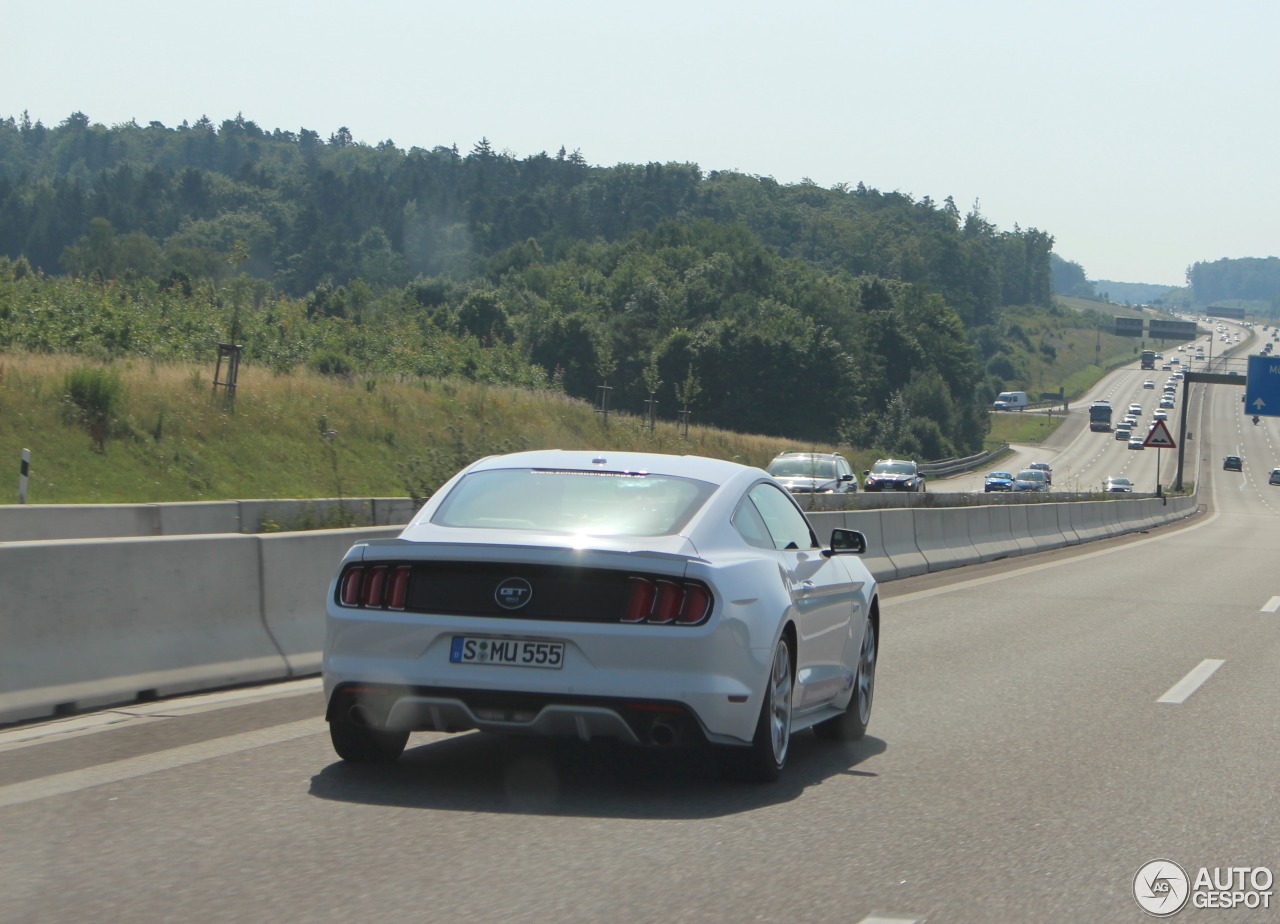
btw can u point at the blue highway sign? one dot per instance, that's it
(1262, 387)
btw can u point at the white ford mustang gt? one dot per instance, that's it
(659, 600)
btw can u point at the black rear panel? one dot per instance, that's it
(558, 593)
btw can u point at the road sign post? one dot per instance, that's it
(1159, 437)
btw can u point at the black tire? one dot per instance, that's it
(362, 744)
(763, 761)
(851, 724)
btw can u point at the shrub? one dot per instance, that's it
(94, 395)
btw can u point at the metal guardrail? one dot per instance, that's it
(951, 466)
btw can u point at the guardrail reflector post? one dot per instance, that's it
(22, 478)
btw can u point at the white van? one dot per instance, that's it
(1010, 401)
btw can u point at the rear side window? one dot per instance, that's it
(786, 526)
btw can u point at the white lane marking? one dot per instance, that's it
(883, 919)
(1179, 692)
(77, 780)
(1272, 605)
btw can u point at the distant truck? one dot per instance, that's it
(1100, 416)
(1148, 359)
(1010, 401)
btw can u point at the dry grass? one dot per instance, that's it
(302, 435)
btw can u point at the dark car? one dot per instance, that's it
(1233, 464)
(814, 473)
(893, 475)
(1043, 467)
(1031, 479)
(998, 481)
(1275, 476)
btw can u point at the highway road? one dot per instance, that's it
(1082, 460)
(1043, 728)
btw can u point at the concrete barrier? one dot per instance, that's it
(1113, 524)
(943, 538)
(197, 519)
(1088, 521)
(992, 533)
(23, 523)
(1020, 528)
(93, 623)
(28, 523)
(866, 522)
(296, 570)
(1065, 526)
(898, 532)
(1042, 523)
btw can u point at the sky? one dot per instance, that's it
(1141, 135)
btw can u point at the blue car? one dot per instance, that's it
(998, 481)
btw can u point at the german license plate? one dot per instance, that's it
(507, 652)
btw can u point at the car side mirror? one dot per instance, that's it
(847, 541)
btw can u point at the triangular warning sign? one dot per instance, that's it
(1158, 437)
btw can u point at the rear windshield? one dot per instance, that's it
(592, 503)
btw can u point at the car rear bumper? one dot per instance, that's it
(638, 722)
(404, 661)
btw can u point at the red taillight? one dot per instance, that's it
(399, 587)
(695, 605)
(378, 586)
(668, 603)
(639, 601)
(351, 581)
(663, 601)
(373, 586)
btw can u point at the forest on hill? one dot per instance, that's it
(1247, 282)
(843, 315)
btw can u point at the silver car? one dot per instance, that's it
(656, 600)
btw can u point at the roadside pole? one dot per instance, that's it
(22, 477)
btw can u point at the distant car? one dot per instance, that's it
(1117, 485)
(893, 475)
(1275, 476)
(1123, 433)
(1148, 384)
(651, 599)
(1031, 479)
(1137, 442)
(813, 473)
(1129, 421)
(1135, 409)
(1233, 464)
(997, 481)
(1043, 467)
(1160, 415)
(1166, 404)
